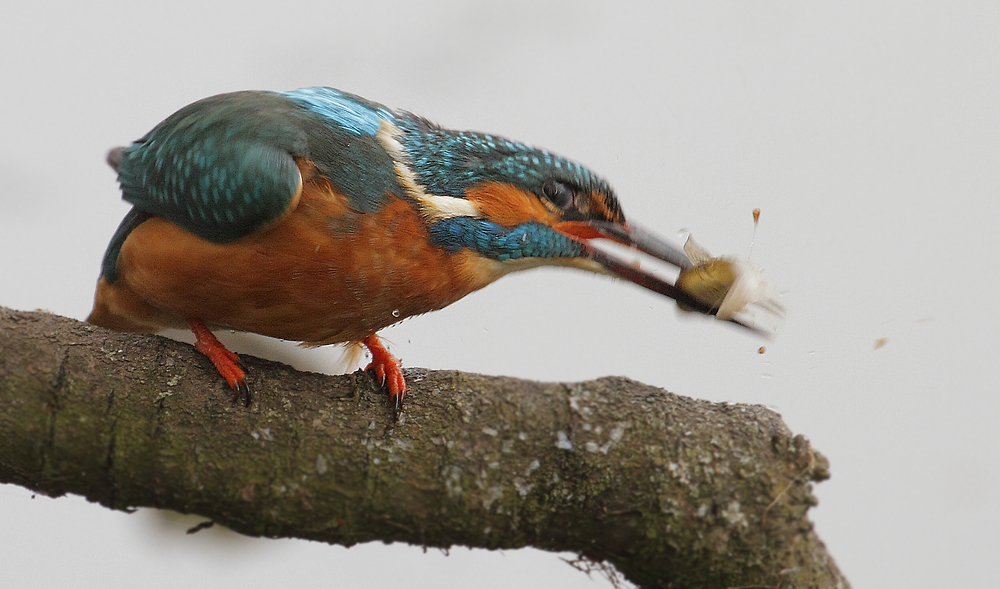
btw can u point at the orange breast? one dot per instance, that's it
(323, 274)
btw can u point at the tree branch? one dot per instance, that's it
(673, 491)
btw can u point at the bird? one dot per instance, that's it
(321, 217)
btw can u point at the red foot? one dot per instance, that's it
(226, 362)
(388, 369)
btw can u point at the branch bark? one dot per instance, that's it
(672, 491)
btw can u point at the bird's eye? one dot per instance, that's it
(558, 193)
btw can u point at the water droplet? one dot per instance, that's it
(395, 312)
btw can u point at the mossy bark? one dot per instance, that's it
(673, 491)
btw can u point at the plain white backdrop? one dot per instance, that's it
(868, 133)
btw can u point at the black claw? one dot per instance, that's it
(242, 389)
(247, 394)
(395, 403)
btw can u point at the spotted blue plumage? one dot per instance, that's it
(527, 240)
(225, 166)
(220, 168)
(449, 162)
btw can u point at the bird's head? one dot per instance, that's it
(518, 207)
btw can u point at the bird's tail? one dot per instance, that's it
(115, 157)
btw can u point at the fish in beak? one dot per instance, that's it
(725, 287)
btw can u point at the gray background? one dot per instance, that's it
(866, 132)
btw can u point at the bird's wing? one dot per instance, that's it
(221, 168)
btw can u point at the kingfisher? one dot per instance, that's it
(321, 217)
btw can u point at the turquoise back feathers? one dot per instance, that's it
(225, 166)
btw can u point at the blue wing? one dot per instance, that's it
(221, 168)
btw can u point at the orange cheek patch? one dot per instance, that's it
(508, 205)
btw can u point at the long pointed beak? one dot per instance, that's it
(645, 241)
(628, 235)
